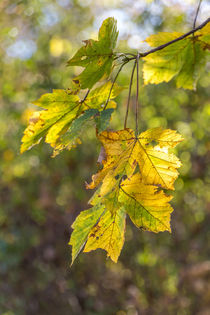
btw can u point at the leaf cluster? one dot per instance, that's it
(137, 169)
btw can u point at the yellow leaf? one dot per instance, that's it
(147, 207)
(149, 151)
(136, 170)
(108, 234)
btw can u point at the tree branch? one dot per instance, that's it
(172, 41)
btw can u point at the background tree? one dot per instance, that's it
(40, 196)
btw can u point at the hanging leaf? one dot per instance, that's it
(149, 151)
(183, 60)
(135, 172)
(97, 55)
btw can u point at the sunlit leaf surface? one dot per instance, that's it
(97, 55)
(62, 108)
(183, 60)
(136, 171)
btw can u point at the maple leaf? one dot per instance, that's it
(82, 226)
(147, 207)
(61, 109)
(136, 170)
(124, 152)
(97, 55)
(183, 59)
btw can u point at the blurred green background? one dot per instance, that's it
(40, 196)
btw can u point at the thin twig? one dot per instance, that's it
(172, 41)
(118, 72)
(129, 95)
(196, 14)
(137, 94)
(86, 95)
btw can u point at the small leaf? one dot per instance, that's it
(97, 55)
(85, 221)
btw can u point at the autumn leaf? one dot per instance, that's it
(82, 226)
(97, 55)
(136, 171)
(183, 60)
(61, 109)
(108, 234)
(148, 208)
(149, 151)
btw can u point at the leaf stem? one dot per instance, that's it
(86, 95)
(196, 14)
(137, 93)
(129, 95)
(118, 72)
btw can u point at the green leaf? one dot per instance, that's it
(102, 120)
(97, 55)
(183, 60)
(85, 221)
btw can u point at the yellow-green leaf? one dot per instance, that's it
(108, 234)
(147, 207)
(81, 228)
(61, 108)
(149, 151)
(136, 170)
(182, 60)
(97, 55)
(71, 138)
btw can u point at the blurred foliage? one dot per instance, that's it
(40, 196)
